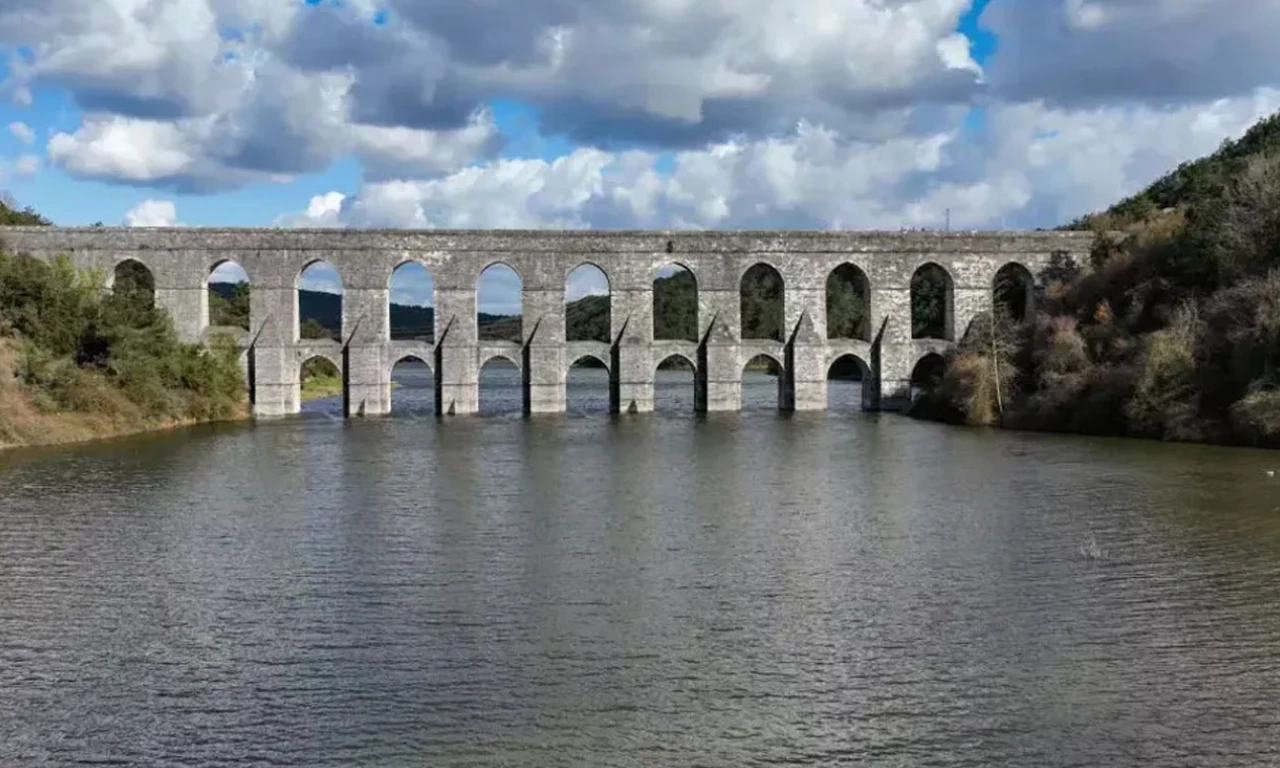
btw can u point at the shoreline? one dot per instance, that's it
(83, 428)
(1217, 442)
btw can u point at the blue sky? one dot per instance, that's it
(633, 113)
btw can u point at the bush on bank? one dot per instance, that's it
(1171, 330)
(72, 347)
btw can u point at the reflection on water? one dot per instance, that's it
(654, 590)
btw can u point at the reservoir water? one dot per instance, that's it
(655, 590)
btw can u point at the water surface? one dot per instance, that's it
(655, 590)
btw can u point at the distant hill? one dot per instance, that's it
(407, 322)
(586, 319)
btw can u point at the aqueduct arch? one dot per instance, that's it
(669, 293)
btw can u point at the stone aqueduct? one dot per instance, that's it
(181, 261)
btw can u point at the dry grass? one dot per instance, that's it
(24, 423)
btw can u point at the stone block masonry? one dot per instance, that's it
(182, 259)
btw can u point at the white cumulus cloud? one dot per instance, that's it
(678, 113)
(152, 213)
(1032, 166)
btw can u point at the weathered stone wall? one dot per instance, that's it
(182, 259)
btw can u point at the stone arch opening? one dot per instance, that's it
(588, 386)
(848, 303)
(501, 387)
(763, 384)
(500, 304)
(762, 298)
(133, 287)
(1014, 292)
(228, 294)
(675, 304)
(411, 314)
(319, 302)
(847, 376)
(932, 303)
(413, 387)
(675, 385)
(587, 304)
(927, 374)
(322, 386)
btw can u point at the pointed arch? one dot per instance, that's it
(1014, 291)
(322, 381)
(762, 298)
(411, 311)
(412, 385)
(763, 381)
(675, 384)
(932, 303)
(848, 376)
(848, 303)
(588, 304)
(675, 303)
(133, 281)
(500, 386)
(589, 385)
(500, 304)
(927, 374)
(319, 305)
(227, 296)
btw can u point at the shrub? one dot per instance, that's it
(1256, 418)
(1164, 397)
(82, 349)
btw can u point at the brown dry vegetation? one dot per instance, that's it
(23, 423)
(1170, 331)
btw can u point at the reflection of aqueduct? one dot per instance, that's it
(181, 260)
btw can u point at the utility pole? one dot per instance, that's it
(948, 219)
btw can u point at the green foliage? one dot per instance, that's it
(929, 303)
(847, 294)
(761, 300)
(229, 305)
(500, 328)
(587, 319)
(1012, 291)
(1163, 404)
(11, 216)
(1255, 419)
(976, 379)
(80, 347)
(320, 378)
(675, 307)
(312, 329)
(1172, 329)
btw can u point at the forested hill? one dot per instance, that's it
(1170, 330)
(1196, 184)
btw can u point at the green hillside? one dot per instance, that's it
(1170, 330)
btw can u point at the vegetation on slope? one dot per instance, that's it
(1172, 328)
(12, 216)
(78, 362)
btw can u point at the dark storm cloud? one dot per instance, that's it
(1152, 51)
